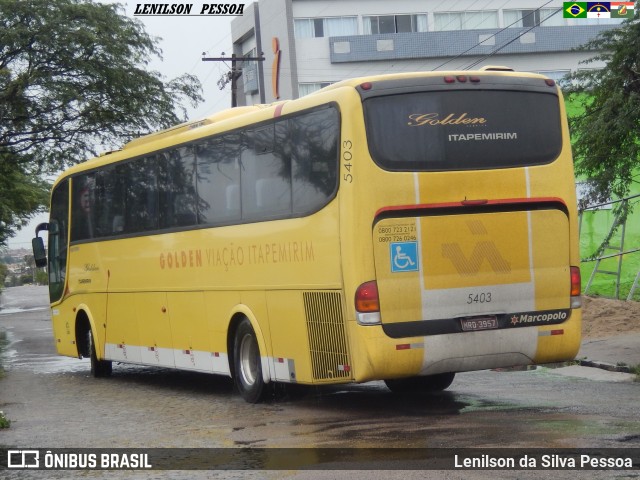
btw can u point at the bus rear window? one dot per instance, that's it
(463, 130)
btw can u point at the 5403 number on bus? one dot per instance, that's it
(479, 298)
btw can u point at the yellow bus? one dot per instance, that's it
(400, 228)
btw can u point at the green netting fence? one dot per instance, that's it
(618, 263)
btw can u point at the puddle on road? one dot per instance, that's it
(10, 311)
(11, 359)
(42, 363)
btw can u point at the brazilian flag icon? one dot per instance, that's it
(574, 10)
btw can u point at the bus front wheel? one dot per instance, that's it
(427, 384)
(99, 368)
(247, 363)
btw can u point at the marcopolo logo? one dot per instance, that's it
(537, 318)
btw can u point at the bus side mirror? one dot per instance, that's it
(39, 252)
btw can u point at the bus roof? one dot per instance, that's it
(493, 70)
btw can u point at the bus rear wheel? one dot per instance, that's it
(248, 365)
(427, 384)
(99, 368)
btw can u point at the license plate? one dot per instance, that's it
(478, 323)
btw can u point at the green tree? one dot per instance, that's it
(41, 277)
(74, 80)
(4, 271)
(606, 122)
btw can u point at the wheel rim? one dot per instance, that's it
(248, 360)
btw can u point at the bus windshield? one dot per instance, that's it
(463, 130)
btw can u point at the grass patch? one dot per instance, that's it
(4, 421)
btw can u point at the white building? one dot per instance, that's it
(308, 44)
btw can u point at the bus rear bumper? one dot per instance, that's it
(377, 356)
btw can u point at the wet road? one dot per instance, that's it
(54, 402)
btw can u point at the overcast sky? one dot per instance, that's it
(184, 40)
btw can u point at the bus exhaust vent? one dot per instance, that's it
(327, 339)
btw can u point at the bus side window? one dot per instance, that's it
(273, 195)
(218, 180)
(232, 200)
(176, 188)
(83, 207)
(141, 195)
(266, 175)
(314, 159)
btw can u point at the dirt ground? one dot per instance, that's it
(604, 317)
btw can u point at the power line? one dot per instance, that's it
(477, 62)
(532, 12)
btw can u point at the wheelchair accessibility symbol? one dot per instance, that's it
(404, 256)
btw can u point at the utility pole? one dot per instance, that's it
(233, 75)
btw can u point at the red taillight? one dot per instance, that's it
(366, 86)
(367, 298)
(461, 79)
(576, 284)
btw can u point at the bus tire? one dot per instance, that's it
(427, 384)
(247, 363)
(99, 368)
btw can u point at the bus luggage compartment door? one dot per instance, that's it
(448, 271)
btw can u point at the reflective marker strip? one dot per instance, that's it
(551, 332)
(344, 368)
(409, 346)
(184, 359)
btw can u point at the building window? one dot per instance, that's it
(307, 88)
(557, 75)
(547, 17)
(325, 27)
(395, 24)
(465, 20)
